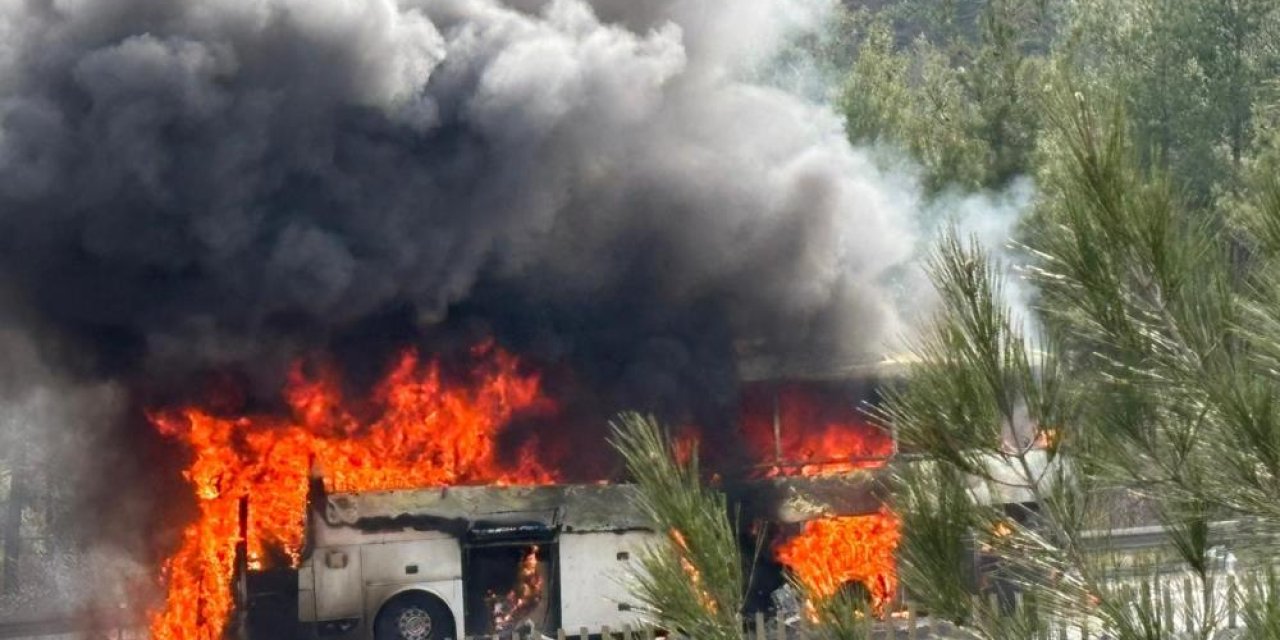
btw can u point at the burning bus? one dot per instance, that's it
(461, 561)
(431, 523)
(470, 561)
(453, 562)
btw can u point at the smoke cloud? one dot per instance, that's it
(224, 183)
(50, 427)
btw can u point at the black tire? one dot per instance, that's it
(414, 616)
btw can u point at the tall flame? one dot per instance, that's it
(832, 552)
(424, 432)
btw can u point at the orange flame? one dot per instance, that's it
(426, 432)
(517, 604)
(695, 576)
(684, 446)
(832, 552)
(819, 431)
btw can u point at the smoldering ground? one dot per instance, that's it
(221, 185)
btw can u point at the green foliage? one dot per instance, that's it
(976, 408)
(1175, 319)
(1261, 610)
(1152, 130)
(694, 581)
(1193, 73)
(958, 84)
(959, 98)
(842, 616)
(1154, 374)
(937, 518)
(976, 384)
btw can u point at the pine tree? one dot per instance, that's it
(693, 582)
(1151, 379)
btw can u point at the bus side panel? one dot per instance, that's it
(595, 576)
(306, 592)
(339, 591)
(427, 560)
(433, 565)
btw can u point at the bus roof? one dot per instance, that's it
(572, 508)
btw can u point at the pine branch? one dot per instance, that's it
(693, 581)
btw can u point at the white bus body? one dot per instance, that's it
(423, 564)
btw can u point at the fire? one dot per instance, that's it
(518, 603)
(819, 431)
(832, 552)
(684, 447)
(815, 430)
(417, 430)
(695, 576)
(420, 428)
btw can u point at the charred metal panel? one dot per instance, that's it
(572, 508)
(797, 499)
(500, 532)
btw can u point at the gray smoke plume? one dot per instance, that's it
(186, 184)
(52, 430)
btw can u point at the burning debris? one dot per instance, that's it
(816, 431)
(810, 429)
(841, 552)
(514, 607)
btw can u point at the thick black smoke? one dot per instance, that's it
(195, 186)
(223, 184)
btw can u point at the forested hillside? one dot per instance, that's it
(960, 85)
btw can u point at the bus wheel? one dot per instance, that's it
(414, 616)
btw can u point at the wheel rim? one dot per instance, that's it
(414, 624)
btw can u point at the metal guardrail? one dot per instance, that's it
(1222, 533)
